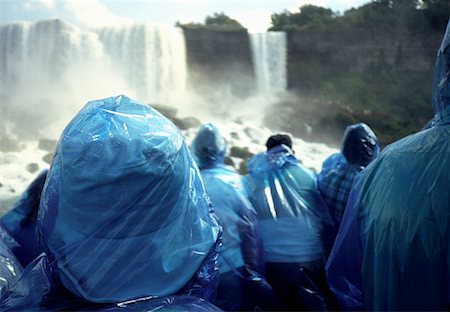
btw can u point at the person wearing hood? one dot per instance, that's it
(239, 259)
(359, 149)
(291, 215)
(123, 215)
(392, 249)
(20, 222)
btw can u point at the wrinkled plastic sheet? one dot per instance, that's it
(123, 214)
(20, 221)
(208, 147)
(241, 285)
(10, 267)
(170, 303)
(392, 250)
(288, 205)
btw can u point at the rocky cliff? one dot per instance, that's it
(219, 59)
(338, 75)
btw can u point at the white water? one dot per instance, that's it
(269, 58)
(50, 69)
(151, 57)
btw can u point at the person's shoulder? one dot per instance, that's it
(423, 141)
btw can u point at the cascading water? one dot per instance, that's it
(269, 60)
(50, 68)
(151, 57)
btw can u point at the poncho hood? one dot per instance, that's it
(360, 145)
(124, 213)
(208, 146)
(275, 158)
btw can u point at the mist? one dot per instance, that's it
(50, 69)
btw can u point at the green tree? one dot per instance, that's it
(220, 19)
(308, 14)
(437, 12)
(398, 3)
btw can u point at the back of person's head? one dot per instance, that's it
(208, 146)
(360, 145)
(124, 213)
(278, 139)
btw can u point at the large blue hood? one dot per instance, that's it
(392, 250)
(208, 146)
(360, 145)
(124, 213)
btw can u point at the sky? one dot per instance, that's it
(252, 14)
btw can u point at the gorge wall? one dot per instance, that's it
(335, 77)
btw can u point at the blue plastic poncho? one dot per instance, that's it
(181, 303)
(241, 285)
(359, 148)
(208, 146)
(124, 213)
(10, 267)
(392, 250)
(290, 210)
(224, 186)
(360, 145)
(20, 221)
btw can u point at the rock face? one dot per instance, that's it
(311, 52)
(219, 60)
(224, 58)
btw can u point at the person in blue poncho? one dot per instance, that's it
(291, 215)
(359, 148)
(10, 267)
(123, 215)
(20, 221)
(239, 261)
(392, 250)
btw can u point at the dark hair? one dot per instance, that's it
(278, 139)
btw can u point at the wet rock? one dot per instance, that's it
(187, 123)
(9, 145)
(243, 168)
(240, 152)
(32, 168)
(253, 134)
(167, 111)
(228, 161)
(48, 158)
(47, 145)
(234, 135)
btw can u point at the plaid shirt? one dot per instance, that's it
(335, 183)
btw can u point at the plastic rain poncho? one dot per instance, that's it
(240, 256)
(392, 250)
(20, 221)
(224, 186)
(290, 211)
(124, 213)
(359, 148)
(10, 267)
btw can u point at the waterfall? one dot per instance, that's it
(269, 61)
(151, 57)
(49, 69)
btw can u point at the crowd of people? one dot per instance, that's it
(128, 216)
